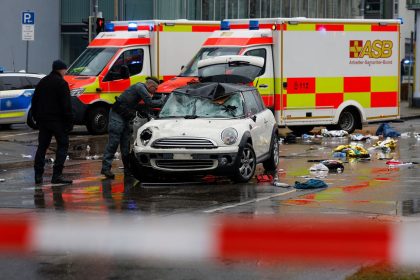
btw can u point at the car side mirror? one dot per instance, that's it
(182, 67)
(254, 118)
(124, 72)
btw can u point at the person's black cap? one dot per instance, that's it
(58, 65)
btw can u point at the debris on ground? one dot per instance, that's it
(264, 178)
(333, 133)
(2, 180)
(333, 165)
(353, 151)
(280, 184)
(398, 163)
(50, 161)
(290, 138)
(386, 130)
(26, 156)
(311, 184)
(318, 167)
(386, 145)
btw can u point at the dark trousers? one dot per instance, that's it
(119, 133)
(47, 130)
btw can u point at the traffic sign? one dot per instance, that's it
(28, 17)
(28, 26)
(28, 32)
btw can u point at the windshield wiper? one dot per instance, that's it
(190, 117)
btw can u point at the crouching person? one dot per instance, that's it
(122, 113)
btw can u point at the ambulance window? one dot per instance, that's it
(257, 52)
(11, 83)
(250, 104)
(134, 61)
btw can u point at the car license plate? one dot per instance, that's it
(182, 156)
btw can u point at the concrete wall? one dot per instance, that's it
(408, 26)
(46, 46)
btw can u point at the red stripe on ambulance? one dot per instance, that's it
(329, 99)
(123, 42)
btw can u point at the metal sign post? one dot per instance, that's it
(28, 31)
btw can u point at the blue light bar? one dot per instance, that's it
(132, 26)
(224, 25)
(254, 25)
(109, 27)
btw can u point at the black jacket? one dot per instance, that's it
(127, 103)
(51, 100)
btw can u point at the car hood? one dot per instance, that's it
(201, 128)
(174, 83)
(79, 81)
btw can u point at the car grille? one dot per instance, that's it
(180, 165)
(184, 142)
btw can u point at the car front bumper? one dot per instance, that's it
(220, 160)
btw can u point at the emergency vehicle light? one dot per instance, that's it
(132, 26)
(109, 27)
(224, 25)
(254, 25)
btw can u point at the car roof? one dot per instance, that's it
(213, 90)
(17, 74)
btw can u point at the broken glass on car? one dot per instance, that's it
(190, 107)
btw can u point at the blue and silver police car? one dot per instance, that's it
(16, 91)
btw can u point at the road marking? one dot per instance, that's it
(247, 202)
(19, 134)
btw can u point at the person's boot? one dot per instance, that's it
(59, 179)
(108, 174)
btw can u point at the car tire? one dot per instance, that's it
(271, 163)
(302, 129)
(97, 120)
(245, 165)
(30, 121)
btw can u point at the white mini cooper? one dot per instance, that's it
(208, 128)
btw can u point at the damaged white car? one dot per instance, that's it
(208, 128)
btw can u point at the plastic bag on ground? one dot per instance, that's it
(353, 151)
(333, 165)
(333, 133)
(389, 143)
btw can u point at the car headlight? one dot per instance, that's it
(229, 136)
(145, 136)
(77, 91)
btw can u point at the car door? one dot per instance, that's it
(269, 123)
(10, 101)
(252, 111)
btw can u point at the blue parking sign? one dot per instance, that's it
(28, 17)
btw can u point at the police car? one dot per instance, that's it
(16, 90)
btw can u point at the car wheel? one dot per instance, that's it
(245, 164)
(30, 121)
(97, 120)
(302, 129)
(271, 163)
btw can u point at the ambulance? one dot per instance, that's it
(329, 72)
(126, 53)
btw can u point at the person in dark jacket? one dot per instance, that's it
(122, 113)
(52, 112)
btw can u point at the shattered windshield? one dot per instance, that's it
(191, 69)
(187, 106)
(91, 62)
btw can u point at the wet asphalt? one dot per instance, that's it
(365, 188)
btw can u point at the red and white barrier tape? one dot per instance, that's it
(202, 239)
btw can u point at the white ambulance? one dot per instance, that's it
(337, 73)
(126, 53)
